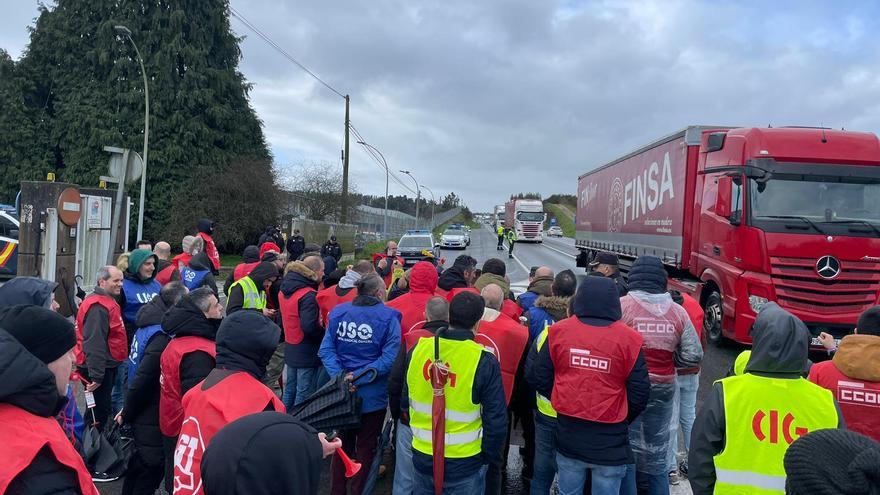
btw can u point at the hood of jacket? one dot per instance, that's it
(263, 271)
(243, 457)
(780, 343)
(186, 319)
(251, 254)
(206, 226)
(27, 290)
(859, 357)
(25, 381)
(151, 313)
(349, 279)
(298, 277)
(556, 306)
(452, 278)
(201, 262)
(491, 278)
(648, 275)
(596, 302)
(543, 286)
(246, 341)
(135, 260)
(423, 278)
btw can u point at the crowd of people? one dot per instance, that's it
(601, 375)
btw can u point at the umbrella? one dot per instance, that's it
(377, 460)
(439, 374)
(332, 407)
(105, 452)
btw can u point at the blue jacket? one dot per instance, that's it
(527, 300)
(363, 335)
(136, 294)
(193, 279)
(138, 344)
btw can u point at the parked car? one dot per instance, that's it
(554, 231)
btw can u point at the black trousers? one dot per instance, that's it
(500, 242)
(103, 402)
(142, 478)
(168, 445)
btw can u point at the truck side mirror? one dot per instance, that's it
(723, 206)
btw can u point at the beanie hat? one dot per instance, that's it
(268, 246)
(43, 332)
(837, 462)
(496, 266)
(648, 275)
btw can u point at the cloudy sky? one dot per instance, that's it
(488, 98)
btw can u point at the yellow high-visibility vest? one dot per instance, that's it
(544, 406)
(253, 298)
(464, 425)
(762, 417)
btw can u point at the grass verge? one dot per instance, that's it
(563, 218)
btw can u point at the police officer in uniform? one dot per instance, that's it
(748, 421)
(511, 240)
(476, 414)
(500, 232)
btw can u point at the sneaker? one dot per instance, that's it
(674, 477)
(683, 468)
(103, 478)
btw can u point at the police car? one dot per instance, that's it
(454, 238)
(9, 228)
(413, 245)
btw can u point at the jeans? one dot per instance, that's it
(299, 385)
(467, 486)
(545, 454)
(649, 439)
(117, 398)
(573, 476)
(647, 484)
(684, 411)
(403, 462)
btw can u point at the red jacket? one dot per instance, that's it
(507, 340)
(331, 297)
(207, 410)
(853, 375)
(25, 435)
(422, 284)
(211, 250)
(591, 365)
(170, 396)
(290, 316)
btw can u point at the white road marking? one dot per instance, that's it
(557, 250)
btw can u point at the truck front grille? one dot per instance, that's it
(798, 286)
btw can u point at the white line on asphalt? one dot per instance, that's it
(520, 263)
(557, 250)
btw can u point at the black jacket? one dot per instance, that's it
(245, 342)
(304, 354)
(398, 375)
(185, 319)
(27, 383)
(596, 304)
(622, 288)
(260, 273)
(780, 347)
(452, 278)
(243, 457)
(487, 391)
(296, 246)
(142, 395)
(332, 249)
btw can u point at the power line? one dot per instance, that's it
(379, 162)
(280, 50)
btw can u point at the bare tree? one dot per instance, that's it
(313, 189)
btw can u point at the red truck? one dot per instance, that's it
(745, 216)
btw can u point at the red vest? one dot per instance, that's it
(328, 299)
(181, 261)
(243, 270)
(24, 435)
(662, 335)
(412, 307)
(859, 400)
(211, 250)
(207, 411)
(591, 365)
(293, 333)
(170, 407)
(511, 309)
(458, 290)
(696, 315)
(507, 340)
(117, 341)
(379, 256)
(164, 276)
(412, 338)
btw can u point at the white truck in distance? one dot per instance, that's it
(498, 217)
(526, 216)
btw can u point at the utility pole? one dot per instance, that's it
(418, 195)
(344, 213)
(433, 201)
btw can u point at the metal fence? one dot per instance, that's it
(369, 220)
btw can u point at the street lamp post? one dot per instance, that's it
(387, 173)
(125, 32)
(418, 194)
(433, 201)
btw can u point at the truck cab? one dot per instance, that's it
(790, 215)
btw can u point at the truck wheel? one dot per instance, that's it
(713, 318)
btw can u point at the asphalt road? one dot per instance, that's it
(558, 254)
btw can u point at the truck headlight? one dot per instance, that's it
(757, 303)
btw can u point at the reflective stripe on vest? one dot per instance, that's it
(544, 406)
(464, 425)
(763, 416)
(252, 297)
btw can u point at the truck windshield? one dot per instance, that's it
(821, 199)
(530, 216)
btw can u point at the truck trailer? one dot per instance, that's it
(526, 217)
(743, 216)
